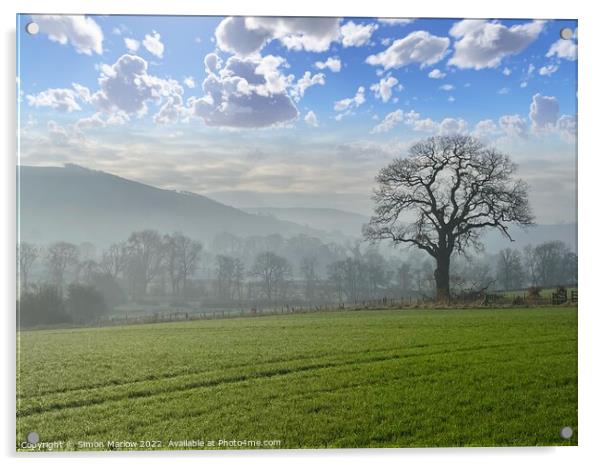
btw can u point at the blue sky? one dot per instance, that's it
(295, 111)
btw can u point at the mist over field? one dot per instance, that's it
(85, 228)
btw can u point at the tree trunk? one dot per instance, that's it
(442, 277)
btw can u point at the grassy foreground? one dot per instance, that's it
(408, 378)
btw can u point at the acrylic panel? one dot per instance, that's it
(287, 232)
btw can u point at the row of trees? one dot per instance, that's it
(549, 264)
(46, 305)
(145, 257)
(176, 266)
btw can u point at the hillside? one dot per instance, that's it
(331, 220)
(76, 204)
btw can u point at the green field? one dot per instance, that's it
(407, 378)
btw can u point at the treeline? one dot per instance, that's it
(547, 265)
(64, 282)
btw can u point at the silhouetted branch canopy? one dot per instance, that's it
(445, 193)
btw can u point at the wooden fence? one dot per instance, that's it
(485, 301)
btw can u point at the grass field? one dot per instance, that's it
(408, 378)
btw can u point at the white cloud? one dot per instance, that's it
(332, 63)
(437, 74)
(451, 98)
(484, 129)
(563, 48)
(212, 63)
(530, 69)
(389, 122)
(543, 112)
(482, 44)
(452, 126)
(447, 87)
(413, 120)
(507, 71)
(246, 36)
(513, 126)
(152, 43)
(171, 111)
(297, 33)
(268, 67)
(417, 47)
(311, 119)
(356, 35)
(189, 82)
(91, 122)
(82, 92)
(567, 127)
(548, 70)
(504, 91)
(58, 134)
(396, 21)
(126, 87)
(306, 81)
(233, 36)
(426, 125)
(351, 102)
(527, 75)
(384, 88)
(245, 93)
(80, 31)
(131, 44)
(64, 100)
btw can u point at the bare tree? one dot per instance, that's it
(272, 272)
(225, 276)
(114, 260)
(336, 276)
(354, 278)
(443, 196)
(27, 254)
(86, 271)
(189, 256)
(404, 277)
(59, 257)
(510, 273)
(145, 258)
(349, 277)
(181, 256)
(552, 262)
(239, 278)
(377, 275)
(529, 264)
(310, 277)
(472, 275)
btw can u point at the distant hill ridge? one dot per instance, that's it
(77, 204)
(73, 203)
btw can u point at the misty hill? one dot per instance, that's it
(332, 220)
(534, 235)
(350, 224)
(76, 204)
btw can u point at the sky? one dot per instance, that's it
(295, 112)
